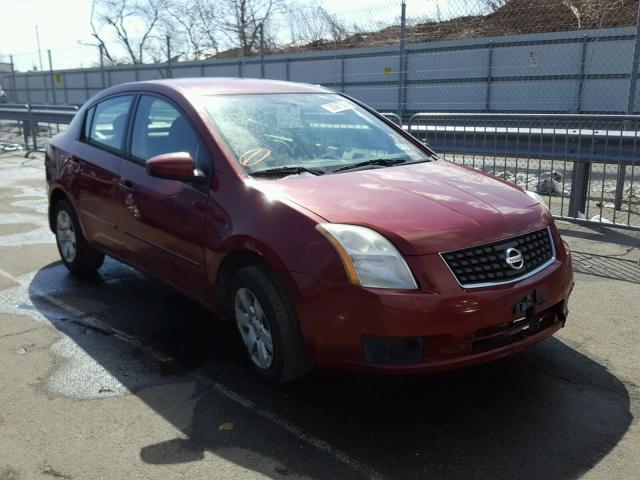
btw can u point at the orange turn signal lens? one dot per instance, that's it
(350, 269)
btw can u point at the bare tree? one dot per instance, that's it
(311, 25)
(104, 51)
(242, 20)
(194, 27)
(132, 24)
(575, 10)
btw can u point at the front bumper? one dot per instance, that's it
(453, 326)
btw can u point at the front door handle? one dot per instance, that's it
(128, 190)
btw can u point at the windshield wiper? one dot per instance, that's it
(383, 162)
(280, 171)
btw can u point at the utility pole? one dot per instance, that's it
(51, 78)
(39, 49)
(100, 48)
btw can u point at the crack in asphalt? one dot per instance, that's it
(16, 334)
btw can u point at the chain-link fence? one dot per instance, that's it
(436, 55)
(584, 166)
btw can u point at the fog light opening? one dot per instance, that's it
(393, 350)
(405, 348)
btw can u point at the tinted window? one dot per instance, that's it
(110, 121)
(161, 128)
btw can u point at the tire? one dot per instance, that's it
(279, 324)
(74, 250)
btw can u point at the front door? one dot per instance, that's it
(164, 220)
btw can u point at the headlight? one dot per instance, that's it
(537, 198)
(369, 259)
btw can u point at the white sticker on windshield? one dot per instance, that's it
(335, 107)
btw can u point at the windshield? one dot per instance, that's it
(306, 133)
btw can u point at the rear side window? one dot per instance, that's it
(160, 128)
(87, 123)
(109, 123)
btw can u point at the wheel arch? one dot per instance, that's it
(245, 256)
(56, 195)
(230, 264)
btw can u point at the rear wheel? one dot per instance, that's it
(74, 250)
(268, 326)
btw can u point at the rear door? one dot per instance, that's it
(164, 220)
(96, 164)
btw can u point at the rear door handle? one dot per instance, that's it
(126, 185)
(75, 165)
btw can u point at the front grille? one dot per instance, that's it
(486, 264)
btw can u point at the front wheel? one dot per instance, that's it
(268, 326)
(74, 250)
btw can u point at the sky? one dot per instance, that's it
(64, 24)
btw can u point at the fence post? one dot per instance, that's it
(169, 67)
(26, 85)
(579, 184)
(86, 85)
(402, 74)
(25, 132)
(14, 90)
(583, 59)
(489, 78)
(33, 128)
(261, 50)
(52, 81)
(631, 101)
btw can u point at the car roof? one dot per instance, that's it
(229, 86)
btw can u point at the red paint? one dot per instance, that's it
(183, 232)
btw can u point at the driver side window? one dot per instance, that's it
(161, 128)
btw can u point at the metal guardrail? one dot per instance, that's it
(394, 117)
(580, 163)
(29, 117)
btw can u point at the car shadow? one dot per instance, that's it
(549, 412)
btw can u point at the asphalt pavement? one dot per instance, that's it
(117, 376)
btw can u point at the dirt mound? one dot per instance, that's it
(515, 17)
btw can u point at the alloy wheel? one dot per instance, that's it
(254, 328)
(66, 236)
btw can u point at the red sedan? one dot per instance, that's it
(330, 236)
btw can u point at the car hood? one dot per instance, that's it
(422, 208)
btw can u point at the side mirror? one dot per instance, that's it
(175, 166)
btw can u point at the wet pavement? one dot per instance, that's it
(117, 376)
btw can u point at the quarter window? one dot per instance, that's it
(87, 122)
(109, 123)
(161, 128)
